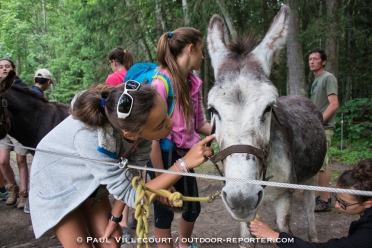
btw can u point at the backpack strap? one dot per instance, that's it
(169, 90)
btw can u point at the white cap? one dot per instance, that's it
(44, 73)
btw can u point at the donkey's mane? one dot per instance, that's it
(27, 91)
(244, 44)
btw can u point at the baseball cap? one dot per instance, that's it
(44, 73)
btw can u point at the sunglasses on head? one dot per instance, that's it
(343, 204)
(125, 103)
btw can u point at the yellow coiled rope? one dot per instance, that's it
(143, 201)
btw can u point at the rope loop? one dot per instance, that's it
(144, 199)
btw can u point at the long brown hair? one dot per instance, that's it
(170, 45)
(123, 56)
(358, 178)
(88, 109)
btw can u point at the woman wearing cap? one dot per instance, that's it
(14, 190)
(120, 62)
(70, 195)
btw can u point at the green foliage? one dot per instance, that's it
(354, 120)
(351, 153)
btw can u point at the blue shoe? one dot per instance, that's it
(4, 196)
(126, 237)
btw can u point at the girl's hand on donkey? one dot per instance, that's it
(198, 153)
(263, 230)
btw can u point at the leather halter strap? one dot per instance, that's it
(238, 149)
(248, 149)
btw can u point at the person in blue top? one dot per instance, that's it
(42, 80)
(358, 178)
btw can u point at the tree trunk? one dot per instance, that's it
(332, 38)
(228, 20)
(44, 16)
(296, 74)
(160, 23)
(185, 12)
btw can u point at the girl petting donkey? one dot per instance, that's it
(70, 195)
(179, 52)
(358, 178)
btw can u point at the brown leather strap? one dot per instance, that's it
(237, 149)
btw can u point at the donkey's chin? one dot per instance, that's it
(240, 215)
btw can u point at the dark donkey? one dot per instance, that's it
(30, 115)
(260, 134)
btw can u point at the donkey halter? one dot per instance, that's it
(248, 149)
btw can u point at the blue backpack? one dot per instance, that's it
(144, 73)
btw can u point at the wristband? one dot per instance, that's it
(183, 165)
(114, 219)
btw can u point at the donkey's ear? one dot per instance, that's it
(6, 82)
(217, 39)
(274, 40)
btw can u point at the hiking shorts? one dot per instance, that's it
(187, 186)
(329, 135)
(16, 149)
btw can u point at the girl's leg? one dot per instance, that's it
(185, 230)
(23, 176)
(164, 234)
(23, 171)
(5, 166)
(71, 230)
(96, 220)
(9, 176)
(124, 222)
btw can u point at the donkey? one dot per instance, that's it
(283, 136)
(30, 115)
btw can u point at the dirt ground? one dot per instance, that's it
(213, 222)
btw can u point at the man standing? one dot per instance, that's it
(42, 80)
(324, 96)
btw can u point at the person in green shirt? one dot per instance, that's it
(324, 95)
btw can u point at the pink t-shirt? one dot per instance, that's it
(116, 77)
(182, 137)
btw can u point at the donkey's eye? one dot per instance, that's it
(265, 113)
(213, 112)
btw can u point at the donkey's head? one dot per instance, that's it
(242, 100)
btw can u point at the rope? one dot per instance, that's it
(143, 201)
(240, 180)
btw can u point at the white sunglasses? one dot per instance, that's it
(125, 103)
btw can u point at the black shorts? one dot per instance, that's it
(187, 186)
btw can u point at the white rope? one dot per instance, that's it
(213, 177)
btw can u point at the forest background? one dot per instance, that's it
(72, 38)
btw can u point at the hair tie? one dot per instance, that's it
(103, 103)
(125, 51)
(169, 34)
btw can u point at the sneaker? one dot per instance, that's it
(132, 223)
(4, 196)
(13, 190)
(190, 246)
(126, 237)
(322, 206)
(26, 209)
